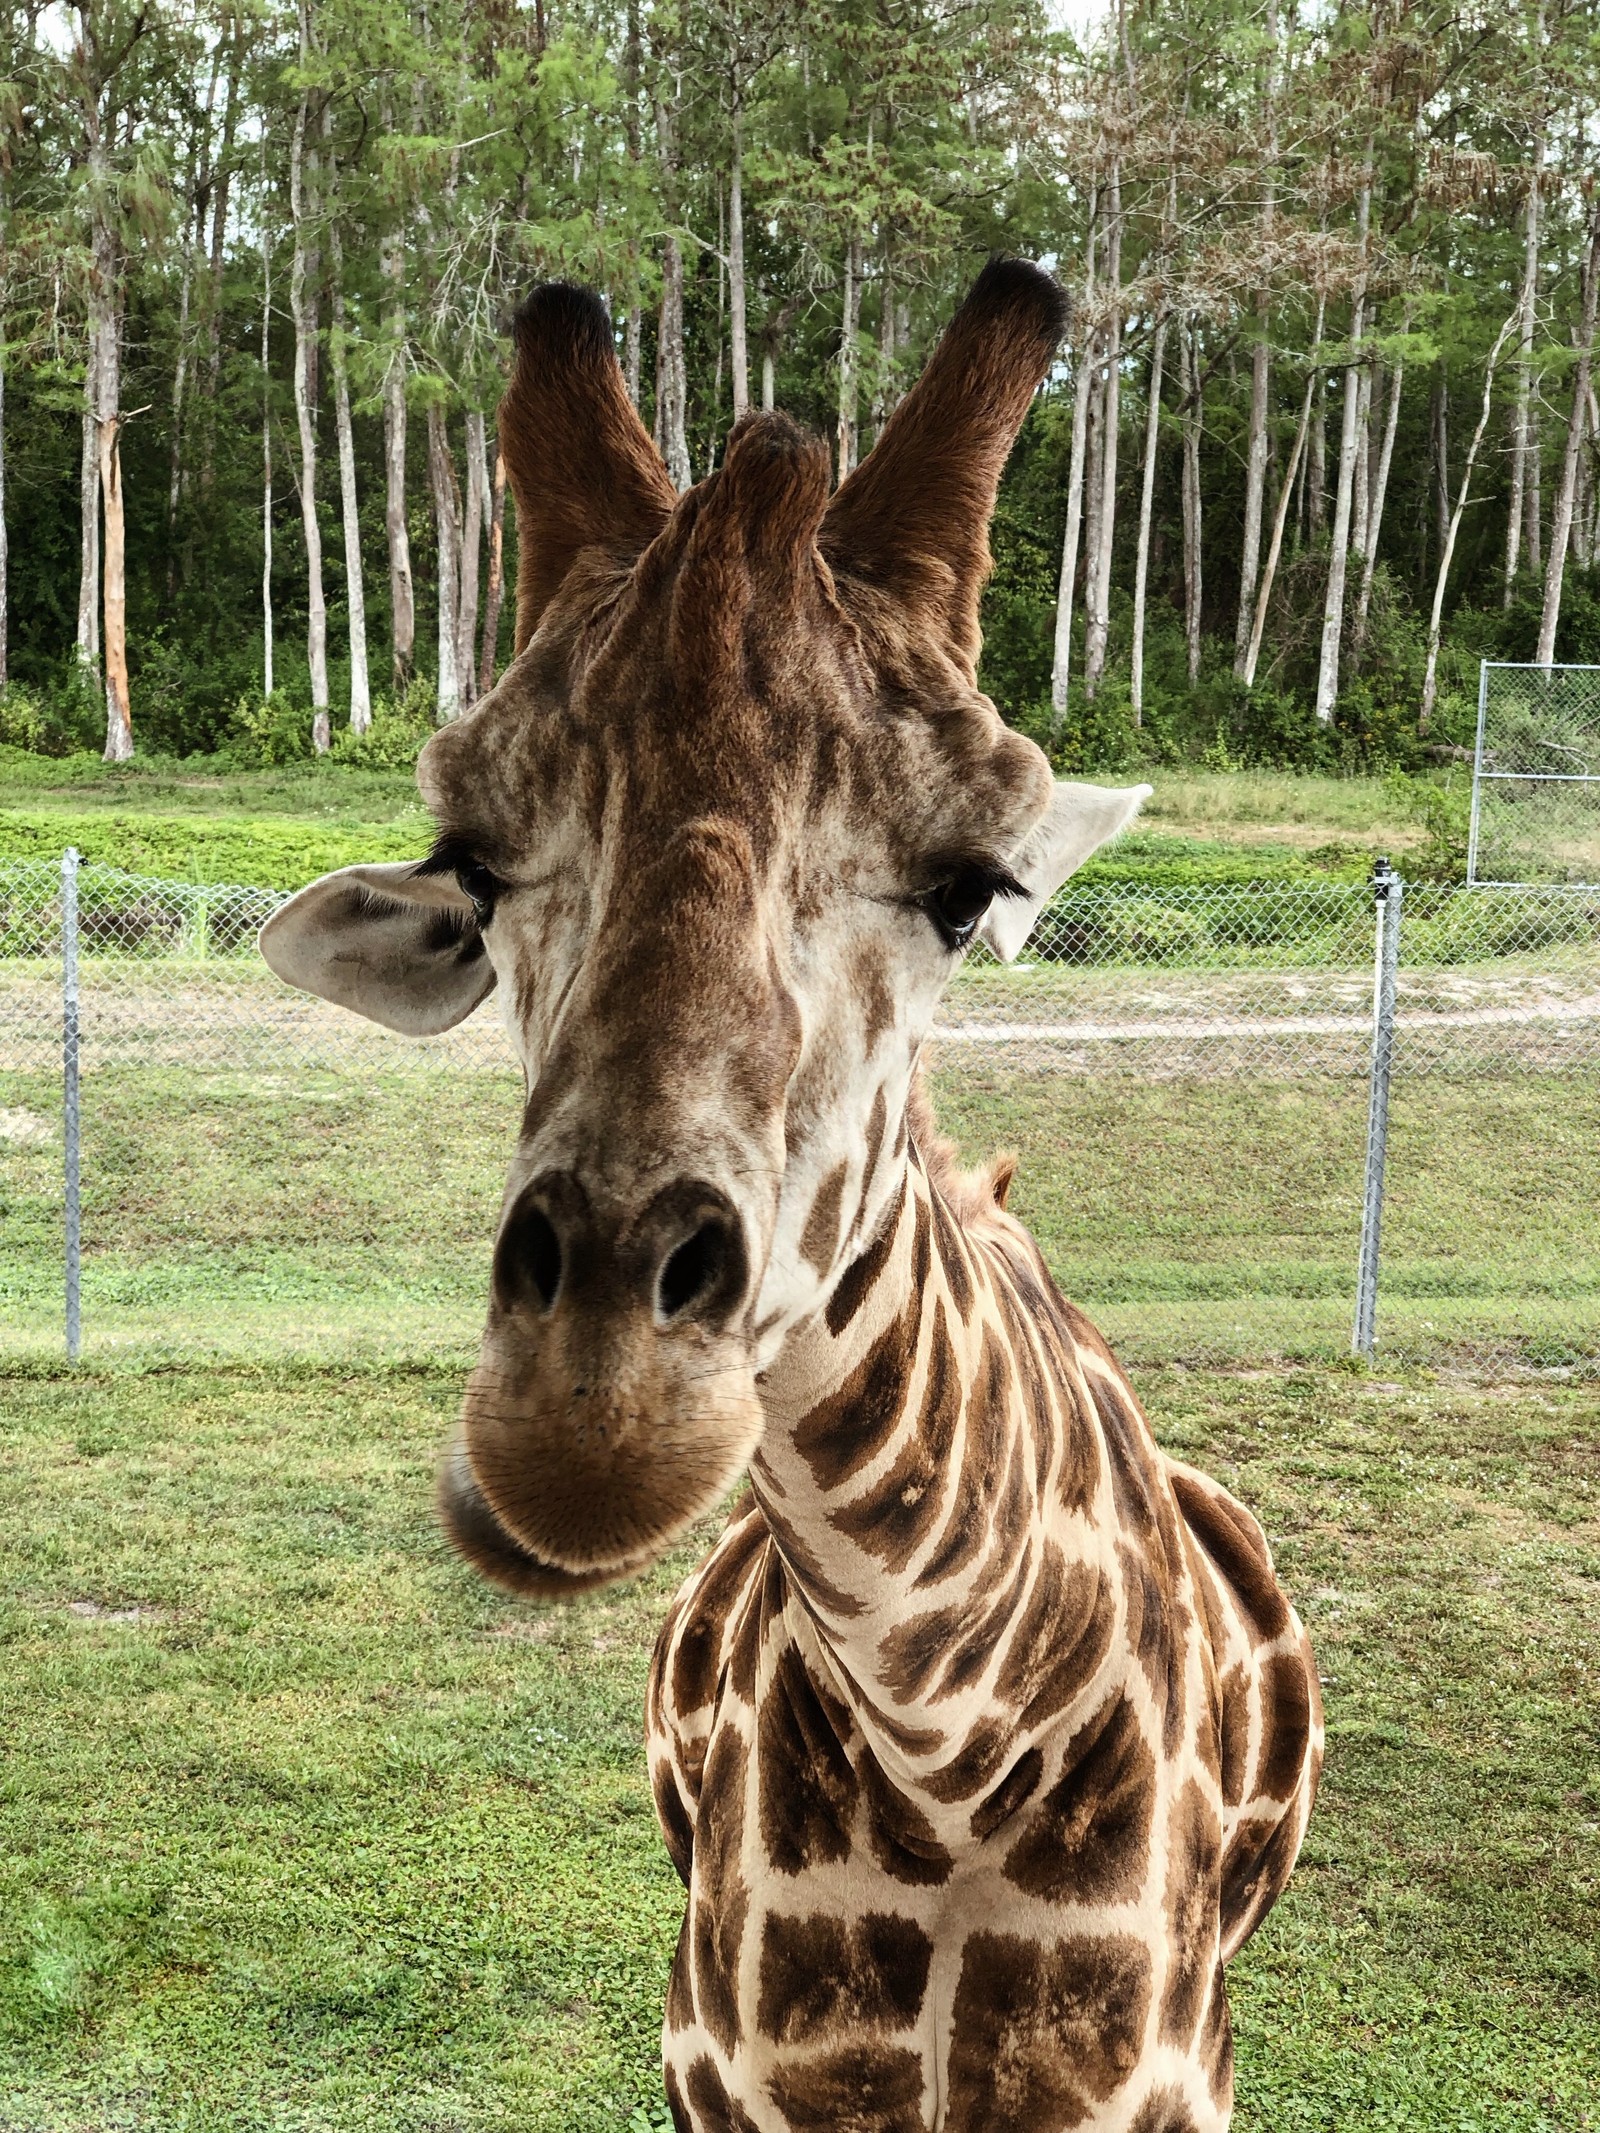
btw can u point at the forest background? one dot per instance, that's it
(1325, 431)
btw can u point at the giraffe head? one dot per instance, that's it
(718, 840)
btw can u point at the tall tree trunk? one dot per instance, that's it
(88, 639)
(1255, 485)
(5, 538)
(1344, 497)
(488, 657)
(1097, 593)
(850, 323)
(1256, 446)
(1361, 486)
(1526, 319)
(1066, 586)
(1561, 523)
(304, 332)
(221, 185)
(105, 274)
(883, 397)
(447, 526)
(1147, 491)
(1258, 622)
(672, 376)
(1193, 417)
(633, 320)
(1430, 678)
(402, 596)
(355, 585)
(1316, 494)
(477, 512)
(266, 457)
(738, 346)
(180, 370)
(1439, 454)
(1380, 489)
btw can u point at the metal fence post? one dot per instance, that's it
(1475, 816)
(1388, 894)
(69, 1109)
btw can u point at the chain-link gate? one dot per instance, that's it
(1535, 775)
(1210, 1159)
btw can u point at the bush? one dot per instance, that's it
(394, 740)
(269, 731)
(58, 721)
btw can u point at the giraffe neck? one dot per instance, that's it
(932, 1475)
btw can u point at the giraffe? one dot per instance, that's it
(985, 1734)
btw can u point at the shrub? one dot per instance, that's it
(57, 721)
(400, 726)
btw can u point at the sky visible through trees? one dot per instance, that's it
(1325, 430)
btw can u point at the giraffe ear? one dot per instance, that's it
(399, 947)
(1079, 819)
(913, 518)
(581, 464)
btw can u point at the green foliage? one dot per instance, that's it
(54, 721)
(399, 729)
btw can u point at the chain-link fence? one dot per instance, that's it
(1254, 1123)
(1536, 775)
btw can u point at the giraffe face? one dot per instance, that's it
(719, 839)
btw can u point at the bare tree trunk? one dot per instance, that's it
(1361, 486)
(672, 377)
(850, 324)
(1193, 414)
(447, 525)
(355, 585)
(1344, 497)
(1526, 311)
(1439, 453)
(1275, 546)
(180, 371)
(402, 597)
(1561, 523)
(105, 279)
(884, 395)
(471, 547)
(300, 307)
(5, 538)
(738, 347)
(1147, 490)
(266, 458)
(1097, 592)
(495, 591)
(1316, 498)
(1061, 660)
(89, 507)
(1430, 678)
(222, 183)
(1255, 484)
(1380, 489)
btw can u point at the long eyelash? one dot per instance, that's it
(986, 874)
(449, 854)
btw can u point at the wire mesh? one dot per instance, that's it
(1185, 1073)
(1536, 775)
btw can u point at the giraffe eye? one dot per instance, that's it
(957, 905)
(479, 887)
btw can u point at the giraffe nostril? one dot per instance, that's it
(694, 1268)
(530, 1256)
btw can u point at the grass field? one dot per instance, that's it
(307, 1829)
(330, 1212)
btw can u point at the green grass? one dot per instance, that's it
(305, 1828)
(315, 1211)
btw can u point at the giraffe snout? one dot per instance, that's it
(682, 1258)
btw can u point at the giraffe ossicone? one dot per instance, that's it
(985, 1734)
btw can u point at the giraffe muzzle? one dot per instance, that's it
(614, 1399)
